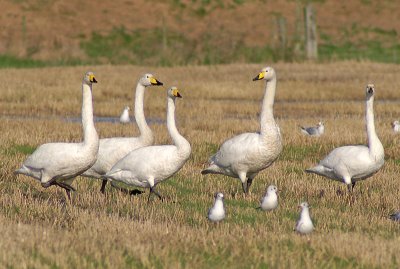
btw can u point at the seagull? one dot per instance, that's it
(217, 212)
(270, 199)
(124, 118)
(304, 225)
(314, 130)
(395, 216)
(396, 126)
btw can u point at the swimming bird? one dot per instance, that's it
(349, 164)
(59, 163)
(217, 212)
(396, 126)
(245, 155)
(304, 224)
(124, 118)
(147, 166)
(113, 149)
(314, 130)
(270, 199)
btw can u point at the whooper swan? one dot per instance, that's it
(111, 150)
(350, 164)
(245, 155)
(59, 163)
(124, 118)
(147, 166)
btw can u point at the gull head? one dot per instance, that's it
(272, 189)
(219, 196)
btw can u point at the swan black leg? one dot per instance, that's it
(152, 190)
(103, 186)
(244, 186)
(249, 182)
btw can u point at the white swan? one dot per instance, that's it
(59, 163)
(314, 130)
(111, 150)
(245, 155)
(349, 164)
(146, 167)
(396, 126)
(124, 118)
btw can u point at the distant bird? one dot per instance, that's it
(147, 166)
(349, 164)
(314, 130)
(217, 211)
(59, 163)
(270, 199)
(396, 126)
(124, 118)
(304, 224)
(245, 155)
(395, 216)
(113, 149)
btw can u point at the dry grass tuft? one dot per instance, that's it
(40, 230)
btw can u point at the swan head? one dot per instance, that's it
(267, 73)
(173, 92)
(149, 80)
(370, 91)
(219, 196)
(272, 189)
(89, 78)
(127, 108)
(304, 205)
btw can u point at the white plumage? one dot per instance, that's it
(217, 212)
(111, 150)
(147, 166)
(314, 130)
(59, 163)
(270, 199)
(245, 155)
(349, 164)
(304, 225)
(124, 118)
(396, 126)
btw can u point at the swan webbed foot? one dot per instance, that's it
(103, 186)
(152, 190)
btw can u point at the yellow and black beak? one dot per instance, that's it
(92, 79)
(176, 93)
(259, 76)
(154, 81)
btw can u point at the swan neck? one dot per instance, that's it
(374, 143)
(89, 131)
(178, 139)
(144, 129)
(267, 115)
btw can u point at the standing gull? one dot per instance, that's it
(304, 225)
(217, 212)
(396, 126)
(59, 163)
(349, 164)
(245, 155)
(314, 130)
(395, 216)
(270, 199)
(124, 118)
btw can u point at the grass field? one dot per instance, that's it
(41, 230)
